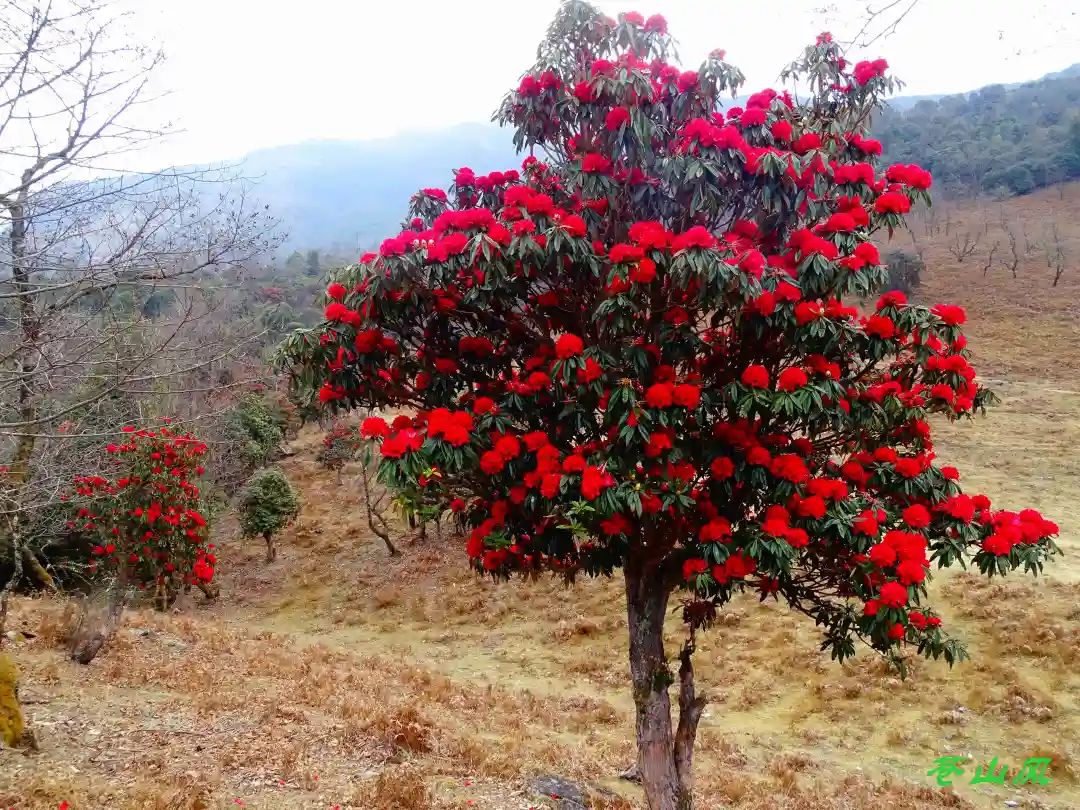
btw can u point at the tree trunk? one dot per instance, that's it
(271, 552)
(18, 472)
(211, 590)
(99, 622)
(665, 752)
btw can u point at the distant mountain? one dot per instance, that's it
(349, 195)
(903, 103)
(346, 196)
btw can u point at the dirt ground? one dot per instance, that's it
(340, 677)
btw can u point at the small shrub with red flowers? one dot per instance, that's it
(641, 354)
(144, 511)
(340, 445)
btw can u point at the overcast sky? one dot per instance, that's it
(245, 74)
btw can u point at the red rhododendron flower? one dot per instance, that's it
(880, 326)
(755, 376)
(696, 237)
(568, 346)
(688, 396)
(657, 24)
(550, 485)
(894, 298)
(615, 525)
(398, 444)
(597, 164)
(791, 379)
(484, 405)
(491, 462)
(593, 482)
(722, 468)
(694, 567)
(781, 130)
(644, 272)
(892, 202)
(660, 395)
(616, 118)
(574, 463)
(687, 81)
(717, 530)
(917, 516)
(952, 315)
(893, 594)
(658, 444)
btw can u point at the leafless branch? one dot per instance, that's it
(112, 285)
(961, 248)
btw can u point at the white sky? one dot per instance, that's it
(245, 74)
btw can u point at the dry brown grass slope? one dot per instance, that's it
(339, 676)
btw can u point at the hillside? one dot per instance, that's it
(339, 677)
(999, 139)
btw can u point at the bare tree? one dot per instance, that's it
(919, 248)
(930, 222)
(109, 281)
(1012, 262)
(1030, 245)
(962, 248)
(1055, 253)
(878, 19)
(990, 258)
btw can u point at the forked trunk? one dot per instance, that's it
(665, 752)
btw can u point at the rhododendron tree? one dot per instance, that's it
(143, 515)
(642, 353)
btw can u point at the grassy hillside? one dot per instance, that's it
(338, 676)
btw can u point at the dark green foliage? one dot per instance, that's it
(997, 140)
(254, 431)
(266, 504)
(905, 271)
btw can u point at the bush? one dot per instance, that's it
(145, 518)
(11, 719)
(254, 431)
(905, 272)
(340, 446)
(266, 504)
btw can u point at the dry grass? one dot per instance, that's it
(341, 676)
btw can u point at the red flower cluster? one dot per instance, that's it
(144, 510)
(865, 71)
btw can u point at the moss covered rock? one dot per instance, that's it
(11, 719)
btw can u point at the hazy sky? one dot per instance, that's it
(245, 74)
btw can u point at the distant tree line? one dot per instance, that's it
(998, 140)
